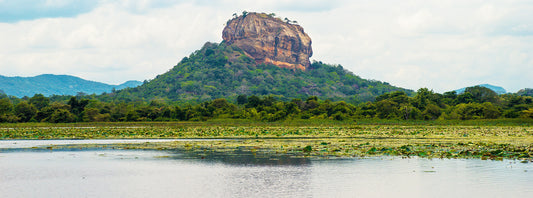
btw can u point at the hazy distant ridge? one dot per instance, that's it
(49, 84)
(497, 89)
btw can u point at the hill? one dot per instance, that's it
(497, 89)
(525, 92)
(49, 84)
(225, 71)
(259, 55)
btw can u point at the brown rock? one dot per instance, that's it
(270, 40)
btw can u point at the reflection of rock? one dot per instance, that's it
(270, 40)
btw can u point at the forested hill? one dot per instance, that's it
(49, 84)
(222, 71)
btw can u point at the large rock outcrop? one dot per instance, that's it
(270, 40)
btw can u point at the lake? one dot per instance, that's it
(149, 173)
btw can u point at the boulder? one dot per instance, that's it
(270, 40)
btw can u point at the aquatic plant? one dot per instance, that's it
(315, 140)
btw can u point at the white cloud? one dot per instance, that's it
(442, 45)
(109, 44)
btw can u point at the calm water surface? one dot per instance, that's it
(138, 173)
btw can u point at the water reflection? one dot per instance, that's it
(256, 173)
(243, 173)
(242, 157)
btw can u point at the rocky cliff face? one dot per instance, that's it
(270, 40)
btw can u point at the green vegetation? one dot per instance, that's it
(300, 138)
(221, 82)
(476, 103)
(525, 92)
(221, 71)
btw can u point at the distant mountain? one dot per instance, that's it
(525, 92)
(497, 89)
(128, 84)
(49, 84)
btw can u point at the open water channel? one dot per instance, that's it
(147, 173)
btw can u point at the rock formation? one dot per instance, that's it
(270, 40)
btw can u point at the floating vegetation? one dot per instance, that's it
(315, 141)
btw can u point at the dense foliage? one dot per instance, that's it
(474, 103)
(221, 71)
(220, 81)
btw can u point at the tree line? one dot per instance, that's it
(475, 103)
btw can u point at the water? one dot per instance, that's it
(140, 173)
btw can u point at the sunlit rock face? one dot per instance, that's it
(270, 40)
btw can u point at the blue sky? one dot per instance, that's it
(19, 10)
(441, 45)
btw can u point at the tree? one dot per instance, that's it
(399, 97)
(61, 116)
(490, 111)
(449, 97)
(343, 108)
(132, 116)
(242, 99)
(220, 106)
(25, 111)
(410, 112)
(292, 108)
(6, 106)
(422, 98)
(311, 103)
(482, 94)
(39, 101)
(6, 111)
(431, 112)
(527, 113)
(386, 109)
(179, 113)
(76, 107)
(367, 110)
(467, 111)
(46, 113)
(90, 115)
(253, 101)
(464, 98)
